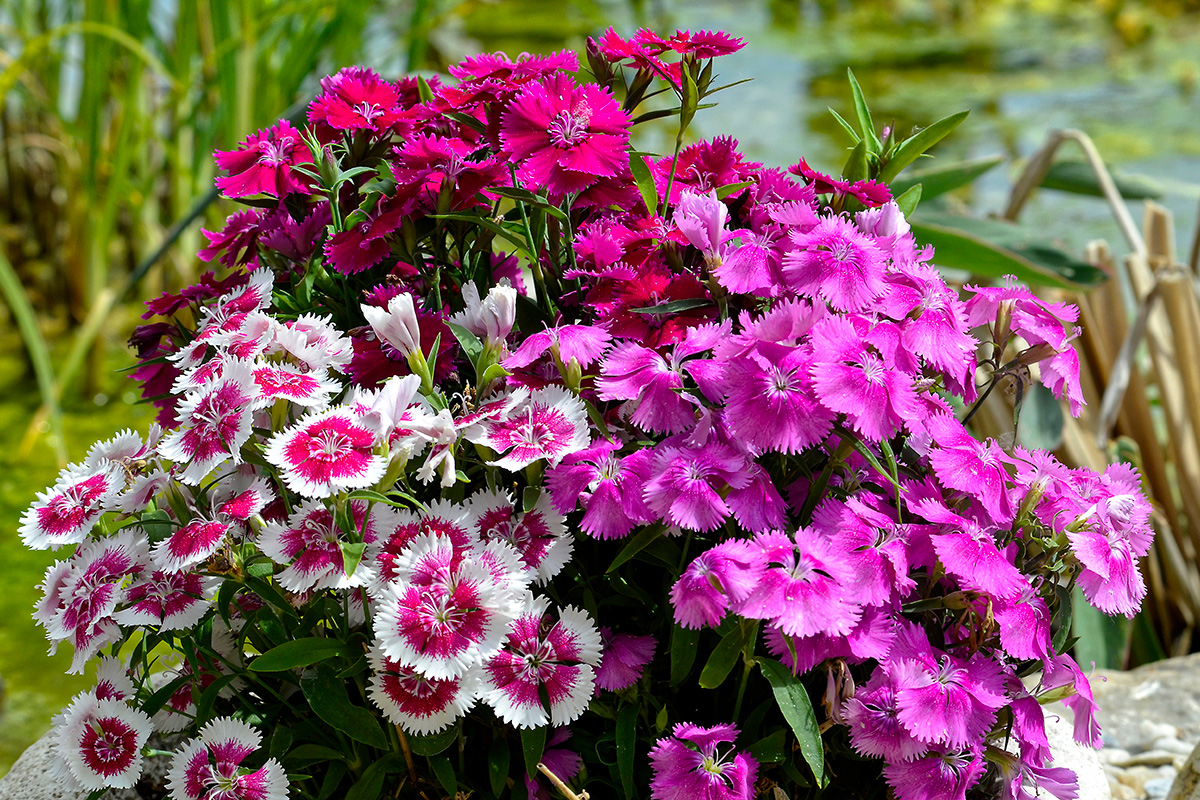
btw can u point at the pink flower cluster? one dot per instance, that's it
(383, 427)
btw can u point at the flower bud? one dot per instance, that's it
(397, 324)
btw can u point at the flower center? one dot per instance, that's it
(275, 154)
(368, 111)
(570, 128)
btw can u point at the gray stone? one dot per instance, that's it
(1153, 702)
(32, 777)
(1066, 752)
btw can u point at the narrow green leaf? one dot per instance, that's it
(796, 707)
(326, 695)
(846, 126)
(512, 238)
(156, 701)
(471, 346)
(673, 307)
(644, 181)
(1076, 177)
(724, 657)
(370, 784)
(433, 743)
(626, 745)
(533, 744)
(732, 188)
(424, 91)
(1101, 637)
(865, 123)
(938, 180)
(907, 202)
(305, 754)
(468, 120)
(855, 168)
(493, 372)
(297, 653)
(1061, 622)
(684, 642)
(636, 545)
(333, 779)
(689, 100)
(916, 145)
(499, 761)
(528, 197)
(445, 773)
(769, 749)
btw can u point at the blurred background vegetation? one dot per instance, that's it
(110, 109)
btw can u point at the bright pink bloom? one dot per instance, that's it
(701, 219)
(836, 262)
(210, 766)
(941, 775)
(632, 372)
(608, 486)
(311, 546)
(869, 193)
(703, 167)
(415, 702)
(690, 765)
(563, 136)
(771, 399)
(584, 343)
(623, 659)
(543, 655)
(263, 163)
(687, 482)
(190, 544)
(962, 462)
(302, 388)
(354, 99)
(327, 452)
(723, 574)
(873, 718)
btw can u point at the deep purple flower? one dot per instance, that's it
(692, 765)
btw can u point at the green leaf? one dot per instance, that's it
(769, 749)
(689, 101)
(684, 647)
(865, 123)
(846, 126)
(499, 760)
(492, 373)
(943, 178)
(673, 306)
(529, 198)
(644, 181)
(530, 497)
(307, 753)
(725, 656)
(994, 249)
(533, 744)
(281, 740)
(1077, 177)
(423, 90)
(468, 120)
(444, 770)
(855, 168)
(370, 784)
(433, 743)
(298, 653)
(1101, 637)
(907, 202)
(626, 745)
(916, 145)
(1061, 622)
(160, 697)
(333, 779)
(1042, 420)
(352, 553)
(636, 545)
(376, 497)
(732, 188)
(796, 707)
(471, 346)
(326, 695)
(513, 238)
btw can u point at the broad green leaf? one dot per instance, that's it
(724, 656)
(636, 545)
(684, 648)
(281, 740)
(907, 202)
(533, 744)
(326, 695)
(916, 145)
(865, 123)
(433, 743)
(626, 745)
(644, 181)
(530, 497)
(469, 342)
(333, 779)
(1077, 177)
(370, 784)
(352, 553)
(796, 707)
(446, 775)
(769, 749)
(855, 168)
(297, 653)
(499, 760)
(943, 178)
(1144, 644)
(1101, 637)
(307, 753)
(993, 249)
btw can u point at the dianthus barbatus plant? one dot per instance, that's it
(499, 443)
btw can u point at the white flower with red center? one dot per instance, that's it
(314, 342)
(539, 535)
(170, 601)
(91, 592)
(192, 543)
(540, 656)
(112, 680)
(550, 424)
(327, 452)
(210, 766)
(214, 423)
(439, 518)
(141, 490)
(201, 375)
(297, 386)
(123, 448)
(57, 576)
(65, 513)
(445, 613)
(311, 546)
(418, 703)
(101, 742)
(244, 496)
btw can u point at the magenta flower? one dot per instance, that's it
(66, 512)
(687, 483)
(940, 775)
(263, 163)
(214, 423)
(327, 452)
(583, 343)
(550, 424)
(609, 488)
(415, 702)
(101, 742)
(210, 766)
(169, 601)
(635, 373)
(541, 655)
(691, 765)
(623, 659)
(355, 99)
(976, 468)
(563, 137)
(726, 573)
(701, 219)
(836, 262)
(772, 402)
(875, 728)
(563, 763)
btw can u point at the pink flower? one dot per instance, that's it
(167, 600)
(542, 655)
(624, 658)
(299, 387)
(690, 765)
(101, 742)
(873, 718)
(726, 573)
(563, 137)
(354, 99)
(214, 423)
(563, 763)
(943, 774)
(583, 343)
(311, 546)
(415, 702)
(771, 399)
(327, 452)
(701, 219)
(210, 766)
(263, 163)
(66, 512)
(976, 468)
(836, 262)
(608, 486)
(397, 325)
(192, 543)
(687, 484)
(550, 424)
(632, 372)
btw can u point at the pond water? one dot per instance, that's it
(1021, 72)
